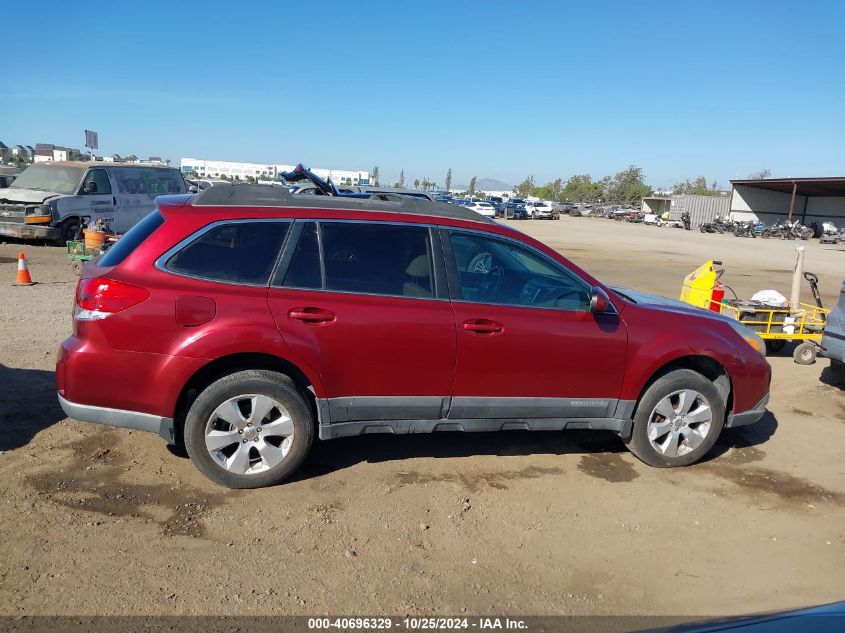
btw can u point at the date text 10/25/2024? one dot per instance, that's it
(416, 623)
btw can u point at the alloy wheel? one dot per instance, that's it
(679, 423)
(249, 434)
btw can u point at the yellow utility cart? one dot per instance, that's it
(775, 325)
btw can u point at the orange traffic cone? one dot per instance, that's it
(24, 278)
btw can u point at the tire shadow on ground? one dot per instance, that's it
(829, 377)
(28, 405)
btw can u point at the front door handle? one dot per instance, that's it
(311, 315)
(483, 326)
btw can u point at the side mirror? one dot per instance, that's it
(193, 189)
(599, 301)
(90, 187)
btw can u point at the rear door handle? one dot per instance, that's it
(483, 326)
(311, 315)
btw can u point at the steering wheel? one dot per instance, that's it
(346, 255)
(493, 273)
(489, 286)
(481, 263)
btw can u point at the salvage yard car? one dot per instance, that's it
(245, 322)
(49, 200)
(541, 210)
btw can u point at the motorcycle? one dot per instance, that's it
(788, 231)
(744, 229)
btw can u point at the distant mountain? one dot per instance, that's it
(486, 184)
(491, 184)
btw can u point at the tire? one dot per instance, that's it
(690, 442)
(775, 345)
(245, 390)
(805, 353)
(838, 369)
(67, 231)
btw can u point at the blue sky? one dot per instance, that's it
(492, 89)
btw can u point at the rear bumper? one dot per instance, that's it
(748, 417)
(118, 417)
(16, 229)
(833, 346)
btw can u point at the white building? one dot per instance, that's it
(264, 171)
(45, 153)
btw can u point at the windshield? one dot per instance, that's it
(64, 179)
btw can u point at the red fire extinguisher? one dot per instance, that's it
(716, 297)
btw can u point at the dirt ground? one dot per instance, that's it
(106, 521)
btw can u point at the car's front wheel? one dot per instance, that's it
(677, 420)
(249, 429)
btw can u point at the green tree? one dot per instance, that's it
(697, 187)
(525, 188)
(761, 175)
(402, 178)
(581, 188)
(426, 184)
(448, 179)
(472, 183)
(375, 176)
(626, 187)
(417, 183)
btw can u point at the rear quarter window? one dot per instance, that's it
(234, 252)
(133, 238)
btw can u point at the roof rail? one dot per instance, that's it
(231, 194)
(247, 195)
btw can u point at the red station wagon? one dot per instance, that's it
(245, 321)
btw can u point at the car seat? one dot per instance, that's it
(420, 272)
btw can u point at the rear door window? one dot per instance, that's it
(233, 252)
(364, 258)
(383, 259)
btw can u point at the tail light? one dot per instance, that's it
(99, 297)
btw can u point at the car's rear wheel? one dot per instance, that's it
(249, 429)
(677, 420)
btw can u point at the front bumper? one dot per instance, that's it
(118, 417)
(21, 230)
(748, 417)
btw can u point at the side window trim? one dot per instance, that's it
(439, 277)
(162, 261)
(289, 249)
(451, 265)
(455, 292)
(319, 229)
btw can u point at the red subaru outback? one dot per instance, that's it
(245, 321)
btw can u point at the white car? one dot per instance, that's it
(483, 208)
(541, 210)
